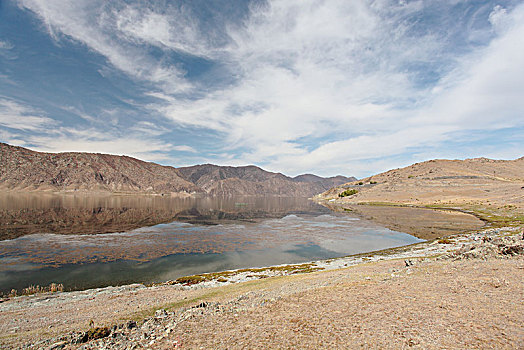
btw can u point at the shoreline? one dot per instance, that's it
(215, 278)
(419, 221)
(419, 250)
(178, 296)
(68, 319)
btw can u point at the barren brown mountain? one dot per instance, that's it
(23, 169)
(26, 170)
(442, 182)
(251, 180)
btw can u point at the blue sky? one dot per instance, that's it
(327, 87)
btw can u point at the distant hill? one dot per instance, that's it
(325, 182)
(23, 169)
(435, 182)
(252, 180)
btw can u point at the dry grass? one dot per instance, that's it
(36, 289)
(254, 272)
(454, 305)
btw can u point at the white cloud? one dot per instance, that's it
(499, 18)
(318, 85)
(184, 148)
(17, 116)
(92, 23)
(309, 70)
(485, 91)
(306, 69)
(148, 128)
(145, 149)
(5, 45)
(69, 139)
(174, 28)
(30, 129)
(11, 138)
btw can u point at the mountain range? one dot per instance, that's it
(26, 170)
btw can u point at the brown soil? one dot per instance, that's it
(452, 305)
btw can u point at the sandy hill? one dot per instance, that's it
(23, 169)
(434, 182)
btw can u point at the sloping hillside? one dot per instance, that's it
(23, 169)
(327, 183)
(442, 182)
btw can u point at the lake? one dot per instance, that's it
(94, 241)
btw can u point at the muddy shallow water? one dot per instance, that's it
(86, 242)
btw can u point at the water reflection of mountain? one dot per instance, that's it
(63, 214)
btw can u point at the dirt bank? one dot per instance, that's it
(424, 223)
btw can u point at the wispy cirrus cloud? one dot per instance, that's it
(325, 86)
(84, 141)
(184, 148)
(67, 139)
(17, 116)
(96, 25)
(352, 79)
(27, 127)
(5, 45)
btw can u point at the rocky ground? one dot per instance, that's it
(464, 291)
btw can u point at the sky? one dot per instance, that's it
(294, 86)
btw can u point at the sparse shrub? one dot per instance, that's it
(360, 183)
(372, 182)
(410, 176)
(445, 241)
(53, 287)
(32, 290)
(95, 333)
(190, 279)
(348, 192)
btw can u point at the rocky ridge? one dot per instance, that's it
(254, 181)
(25, 170)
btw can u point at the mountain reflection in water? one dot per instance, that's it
(23, 214)
(146, 239)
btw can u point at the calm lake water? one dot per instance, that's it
(86, 242)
